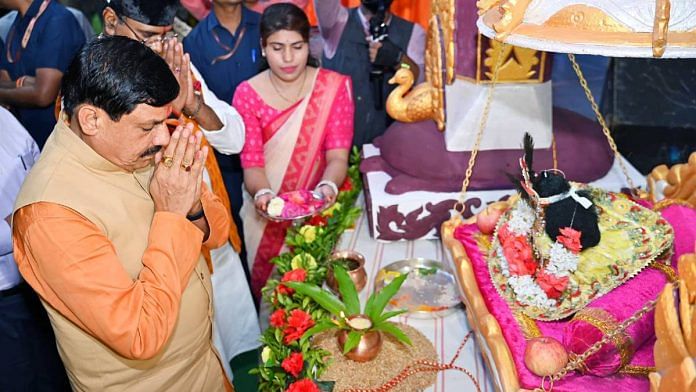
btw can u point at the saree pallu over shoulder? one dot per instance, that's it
(294, 160)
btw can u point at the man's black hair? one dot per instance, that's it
(149, 12)
(116, 74)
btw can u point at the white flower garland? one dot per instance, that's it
(521, 219)
(529, 293)
(562, 262)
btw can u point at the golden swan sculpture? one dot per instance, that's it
(425, 101)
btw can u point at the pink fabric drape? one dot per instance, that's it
(682, 220)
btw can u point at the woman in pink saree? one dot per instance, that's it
(299, 129)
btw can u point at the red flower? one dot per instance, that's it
(519, 255)
(347, 185)
(570, 238)
(296, 275)
(318, 220)
(293, 364)
(304, 385)
(298, 322)
(552, 285)
(504, 234)
(278, 318)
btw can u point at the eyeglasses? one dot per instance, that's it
(155, 40)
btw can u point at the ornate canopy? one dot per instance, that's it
(617, 28)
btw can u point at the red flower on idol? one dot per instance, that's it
(298, 322)
(304, 385)
(296, 275)
(519, 255)
(570, 238)
(293, 364)
(277, 318)
(552, 285)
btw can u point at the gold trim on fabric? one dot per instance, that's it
(634, 370)
(529, 327)
(605, 322)
(662, 204)
(584, 17)
(665, 269)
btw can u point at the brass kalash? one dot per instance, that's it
(591, 27)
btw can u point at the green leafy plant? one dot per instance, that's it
(287, 359)
(347, 314)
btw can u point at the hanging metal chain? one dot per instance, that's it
(460, 206)
(601, 120)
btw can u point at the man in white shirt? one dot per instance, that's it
(29, 360)
(236, 328)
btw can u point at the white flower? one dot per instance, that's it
(504, 266)
(529, 293)
(562, 261)
(266, 354)
(521, 219)
(275, 206)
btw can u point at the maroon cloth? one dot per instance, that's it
(414, 155)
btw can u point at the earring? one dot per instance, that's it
(263, 53)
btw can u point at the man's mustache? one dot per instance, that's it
(151, 151)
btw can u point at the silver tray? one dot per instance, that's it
(430, 291)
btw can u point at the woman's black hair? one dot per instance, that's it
(116, 74)
(285, 16)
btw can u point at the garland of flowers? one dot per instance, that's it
(535, 284)
(289, 363)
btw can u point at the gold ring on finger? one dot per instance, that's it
(168, 161)
(186, 167)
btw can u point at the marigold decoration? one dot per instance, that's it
(309, 233)
(277, 318)
(266, 354)
(294, 316)
(304, 260)
(293, 364)
(318, 221)
(304, 385)
(346, 186)
(299, 322)
(330, 211)
(296, 275)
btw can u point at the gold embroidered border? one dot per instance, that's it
(529, 327)
(637, 370)
(665, 269)
(662, 204)
(605, 322)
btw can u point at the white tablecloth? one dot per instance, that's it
(446, 333)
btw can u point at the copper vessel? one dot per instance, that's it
(367, 349)
(357, 275)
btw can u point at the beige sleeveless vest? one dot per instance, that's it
(71, 174)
